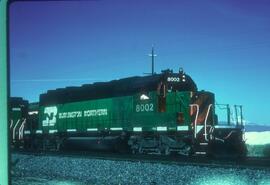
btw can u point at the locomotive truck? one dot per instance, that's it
(163, 113)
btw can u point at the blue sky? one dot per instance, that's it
(223, 45)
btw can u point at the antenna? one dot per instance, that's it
(152, 55)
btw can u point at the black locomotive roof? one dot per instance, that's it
(33, 106)
(17, 102)
(114, 88)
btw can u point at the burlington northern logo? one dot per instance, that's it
(50, 113)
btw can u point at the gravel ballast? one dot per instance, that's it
(95, 171)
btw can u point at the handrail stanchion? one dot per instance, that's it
(241, 115)
(196, 118)
(236, 115)
(228, 114)
(205, 122)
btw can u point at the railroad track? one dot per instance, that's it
(249, 162)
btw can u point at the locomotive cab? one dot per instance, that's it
(173, 82)
(177, 81)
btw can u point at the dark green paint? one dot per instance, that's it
(121, 113)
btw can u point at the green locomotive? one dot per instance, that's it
(161, 113)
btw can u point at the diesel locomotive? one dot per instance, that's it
(161, 113)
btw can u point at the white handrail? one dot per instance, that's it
(11, 124)
(196, 118)
(205, 122)
(14, 129)
(21, 129)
